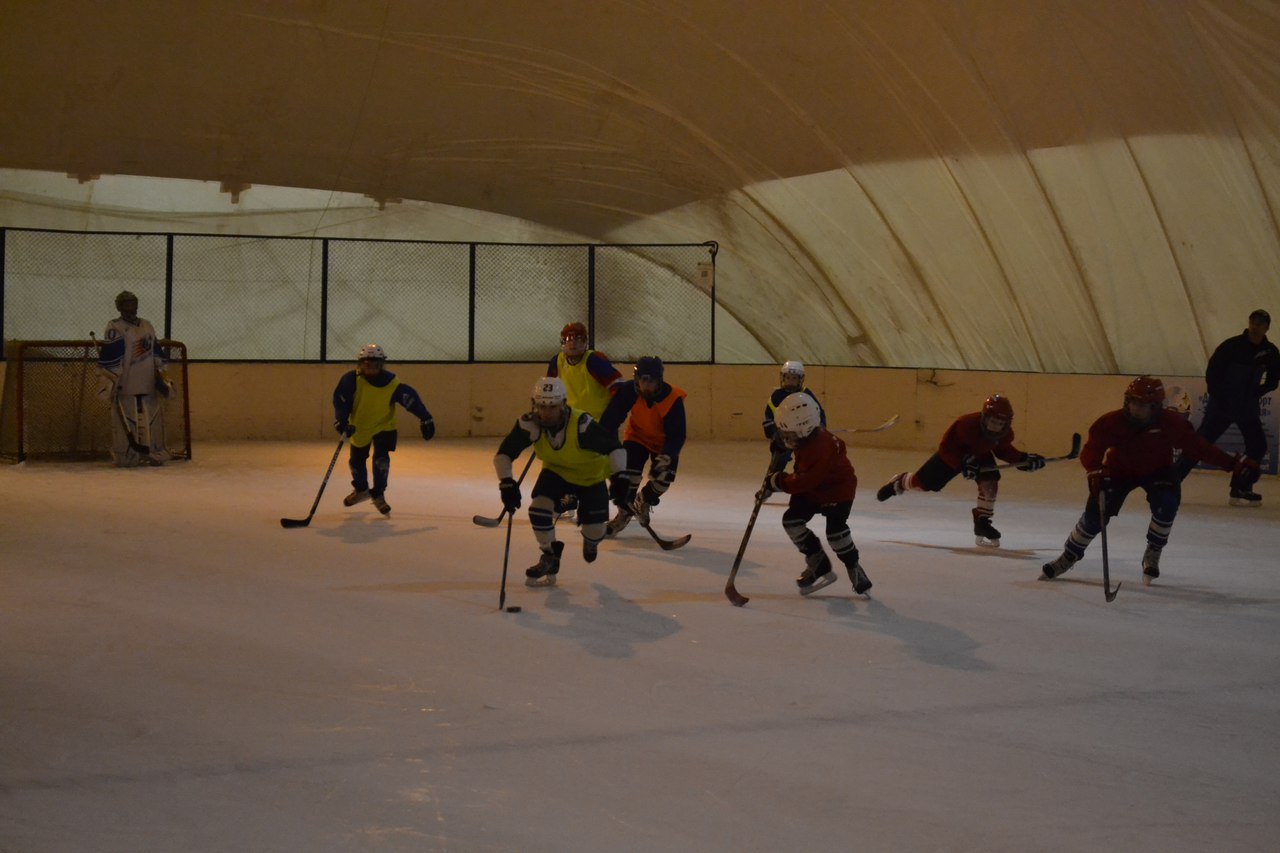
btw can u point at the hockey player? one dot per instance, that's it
(571, 447)
(364, 409)
(134, 382)
(1242, 370)
(654, 413)
(970, 446)
(1132, 448)
(823, 484)
(590, 381)
(790, 381)
(589, 378)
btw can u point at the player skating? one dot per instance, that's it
(653, 410)
(1242, 370)
(1133, 448)
(790, 381)
(823, 483)
(364, 410)
(576, 452)
(970, 446)
(134, 382)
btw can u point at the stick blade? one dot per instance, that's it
(485, 521)
(289, 523)
(736, 598)
(672, 544)
(1111, 594)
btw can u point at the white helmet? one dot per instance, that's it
(797, 417)
(1177, 399)
(793, 368)
(549, 391)
(371, 351)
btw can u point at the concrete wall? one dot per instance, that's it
(288, 402)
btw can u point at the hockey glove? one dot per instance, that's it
(770, 486)
(1099, 481)
(661, 471)
(969, 468)
(510, 491)
(1244, 465)
(621, 491)
(105, 385)
(163, 386)
(1031, 462)
(428, 428)
(344, 429)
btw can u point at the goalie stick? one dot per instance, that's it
(303, 522)
(486, 521)
(886, 425)
(1071, 454)
(736, 598)
(134, 444)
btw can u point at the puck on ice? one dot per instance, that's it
(515, 608)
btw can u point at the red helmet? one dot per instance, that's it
(998, 406)
(573, 330)
(1145, 389)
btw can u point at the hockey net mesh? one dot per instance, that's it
(51, 408)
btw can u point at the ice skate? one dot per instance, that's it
(1150, 565)
(543, 573)
(381, 503)
(891, 488)
(816, 575)
(356, 496)
(1245, 497)
(590, 549)
(1060, 566)
(861, 583)
(985, 535)
(618, 523)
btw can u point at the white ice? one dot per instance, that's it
(179, 673)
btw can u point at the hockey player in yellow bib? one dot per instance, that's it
(364, 409)
(590, 381)
(572, 447)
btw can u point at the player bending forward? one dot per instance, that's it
(970, 447)
(654, 411)
(570, 446)
(823, 484)
(1133, 448)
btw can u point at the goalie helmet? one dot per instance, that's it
(371, 351)
(549, 391)
(1145, 389)
(124, 297)
(796, 417)
(1179, 400)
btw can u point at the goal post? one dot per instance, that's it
(51, 408)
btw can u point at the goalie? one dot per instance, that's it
(134, 384)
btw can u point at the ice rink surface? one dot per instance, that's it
(179, 673)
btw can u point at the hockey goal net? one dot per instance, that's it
(51, 408)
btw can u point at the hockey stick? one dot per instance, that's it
(736, 598)
(506, 557)
(1106, 567)
(303, 522)
(889, 423)
(1072, 454)
(484, 520)
(667, 544)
